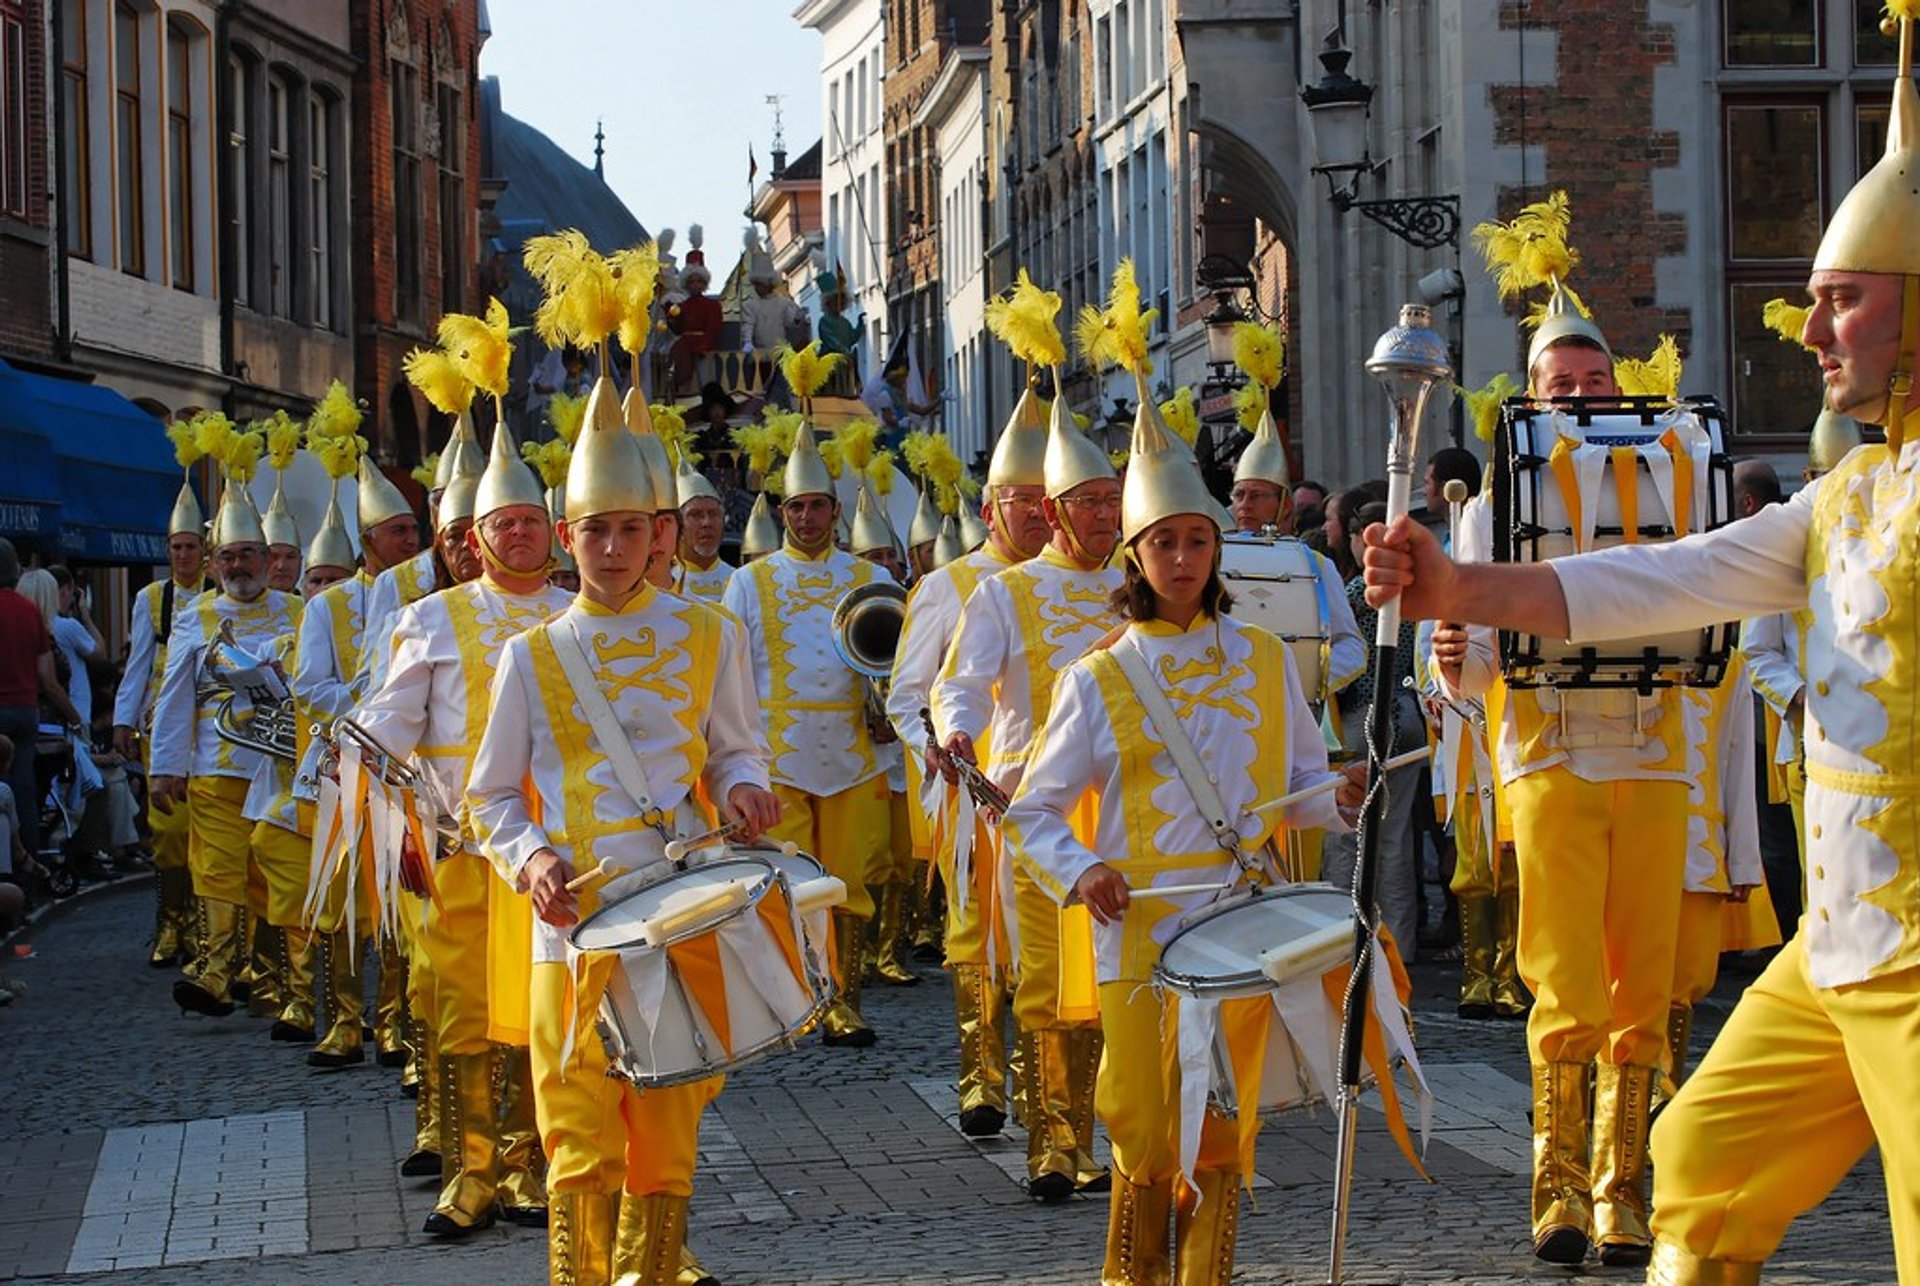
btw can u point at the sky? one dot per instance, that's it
(680, 87)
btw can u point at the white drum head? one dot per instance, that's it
(1218, 954)
(622, 923)
(1275, 583)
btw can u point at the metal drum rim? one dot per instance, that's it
(754, 897)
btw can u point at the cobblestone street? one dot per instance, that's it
(141, 1146)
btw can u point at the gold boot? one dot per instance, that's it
(580, 1231)
(469, 1148)
(1137, 1218)
(1510, 998)
(1052, 1167)
(266, 981)
(1562, 1205)
(1204, 1224)
(887, 936)
(1679, 1041)
(1621, 1100)
(1673, 1266)
(172, 916)
(1479, 931)
(843, 1024)
(930, 931)
(296, 1018)
(1019, 1065)
(209, 990)
(344, 1043)
(646, 1250)
(389, 1009)
(424, 1161)
(983, 1062)
(523, 1167)
(692, 1272)
(1085, 1044)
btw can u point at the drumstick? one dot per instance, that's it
(601, 870)
(1179, 890)
(677, 849)
(1302, 796)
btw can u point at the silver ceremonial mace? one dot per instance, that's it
(1410, 360)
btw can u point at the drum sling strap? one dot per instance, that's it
(1186, 761)
(604, 724)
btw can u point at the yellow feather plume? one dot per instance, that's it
(1118, 459)
(1182, 415)
(243, 456)
(880, 473)
(807, 369)
(1784, 319)
(1250, 403)
(758, 442)
(915, 449)
(282, 436)
(439, 377)
(1259, 351)
(1118, 334)
(1483, 404)
(939, 467)
(637, 270)
(549, 460)
(1023, 320)
(670, 426)
(480, 346)
(1908, 10)
(1657, 376)
(334, 415)
(582, 305)
(215, 434)
(1531, 250)
(186, 443)
(833, 454)
(338, 453)
(567, 414)
(425, 472)
(785, 427)
(857, 439)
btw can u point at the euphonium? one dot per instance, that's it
(866, 632)
(268, 726)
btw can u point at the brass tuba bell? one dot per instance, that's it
(867, 624)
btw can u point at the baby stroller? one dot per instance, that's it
(64, 781)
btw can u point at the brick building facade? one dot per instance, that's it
(26, 197)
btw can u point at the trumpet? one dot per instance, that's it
(867, 624)
(269, 725)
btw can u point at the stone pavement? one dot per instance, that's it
(138, 1146)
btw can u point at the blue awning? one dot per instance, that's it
(29, 479)
(116, 472)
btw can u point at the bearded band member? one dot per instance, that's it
(703, 521)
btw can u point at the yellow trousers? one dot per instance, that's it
(601, 1134)
(171, 834)
(977, 930)
(900, 862)
(851, 834)
(1138, 1094)
(453, 943)
(280, 868)
(220, 843)
(1696, 953)
(1047, 987)
(1601, 866)
(509, 930)
(1800, 1083)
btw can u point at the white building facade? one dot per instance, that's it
(957, 112)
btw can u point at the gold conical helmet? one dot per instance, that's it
(762, 533)
(806, 473)
(506, 480)
(462, 455)
(607, 474)
(639, 418)
(1564, 321)
(1265, 459)
(331, 546)
(278, 521)
(926, 521)
(1072, 457)
(186, 519)
(379, 499)
(973, 529)
(689, 484)
(948, 545)
(556, 510)
(870, 531)
(1833, 436)
(1163, 479)
(237, 522)
(458, 500)
(1020, 456)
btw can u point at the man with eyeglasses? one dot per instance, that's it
(1017, 632)
(192, 762)
(432, 708)
(979, 951)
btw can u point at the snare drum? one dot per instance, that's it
(1582, 474)
(714, 969)
(1283, 943)
(814, 892)
(1276, 585)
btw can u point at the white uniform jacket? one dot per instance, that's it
(185, 742)
(327, 669)
(392, 589)
(933, 616)
(147, 652)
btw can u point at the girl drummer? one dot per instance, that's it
(1235, 694)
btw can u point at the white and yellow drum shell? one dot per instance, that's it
(1276, 585)
(1576, 475)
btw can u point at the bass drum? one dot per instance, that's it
(1276, 585)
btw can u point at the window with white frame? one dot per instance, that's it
(322, 132)
(76, 174)
(240, 174)
(129, 137)
(280, 239)
(182, 208)
(13, 110)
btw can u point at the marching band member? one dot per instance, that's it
(978, 951)
(924, 530)
(432, 708)
(1236, 696)
(1811, 1068)
(1017, 631)
(831, 782)
(193, 762)
(157, 612)
(703, 521)
(550, 798)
